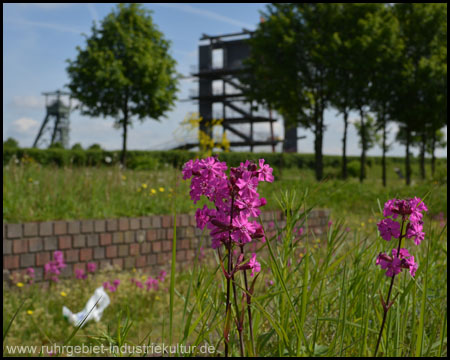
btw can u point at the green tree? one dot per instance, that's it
(289, 66)
(423, 32)
(11, 143)
(125, 70)
(77, 146)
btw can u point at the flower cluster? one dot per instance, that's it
(410, 211)
(235, 199)
(111, 287)
(54, 267)
(151, 283)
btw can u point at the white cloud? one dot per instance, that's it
(207, 14)
(25, 125)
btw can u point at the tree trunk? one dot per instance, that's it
(433, 157)
(123, 159)
(383, 158)
(318, 132)
(422, 156)
(362, 174)
(408, 162)
(344, 146)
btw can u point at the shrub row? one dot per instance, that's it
(153, 160)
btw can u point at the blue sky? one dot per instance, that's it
(38, 38)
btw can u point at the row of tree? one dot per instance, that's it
(388, 62)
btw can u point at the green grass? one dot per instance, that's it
(32, 192)
(323, 303)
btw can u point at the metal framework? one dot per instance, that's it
(56, 121)
(235, 107)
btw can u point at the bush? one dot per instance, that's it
(353, 168)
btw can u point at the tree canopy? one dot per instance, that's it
(125, 70)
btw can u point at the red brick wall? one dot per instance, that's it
(127, 243)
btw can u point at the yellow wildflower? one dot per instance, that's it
(30, 312)
(143, 277)
(153, 191)
(30, 179)
(19, 284)
(124, 177)
(157, 298)
(63, 293)
(134, 270)
(161, 189)
(144, 186)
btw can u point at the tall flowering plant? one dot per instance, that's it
(410, 214)
(234, 200)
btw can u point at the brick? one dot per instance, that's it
(50, 243)
(129, 263)
(123, 224)
(26, 260)
(117, 238)
(161, 259)
(87, 226)
(170, 234)
(181, 255)
(64, 242)
(67, 271)
(140, 236)
(123, 250)
(86, 254)
(166, 221)
(111, 251)
(45, 228)
(146, 248)
(118, 262)
(20, 246)
(99, 253)
(151, 259)
(161, 234)
(30, 229)
(141, 261)
(134, 224)
(79, 241)
(156, 247)
(7, 247)
(184, 244)
(74, 227)
(190, 231)
(92, 240)
(72, 255)
(134, 249)
(111, 225)
(151, 235)
(11, 261)
(99, 226)
(167, 245)
(79, 266)
(105, 264)
(146, 223)
(183, 220)
(14, 231)
(42, 258)
(105, 239)
(192, 220)
(129, 237)
(60, 227)
(156, 221)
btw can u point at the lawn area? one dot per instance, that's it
(312, 297)
(32, 192)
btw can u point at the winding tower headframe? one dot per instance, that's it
(55, 126)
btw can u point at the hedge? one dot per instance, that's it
(151, 160)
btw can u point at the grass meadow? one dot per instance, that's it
(313, 297)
